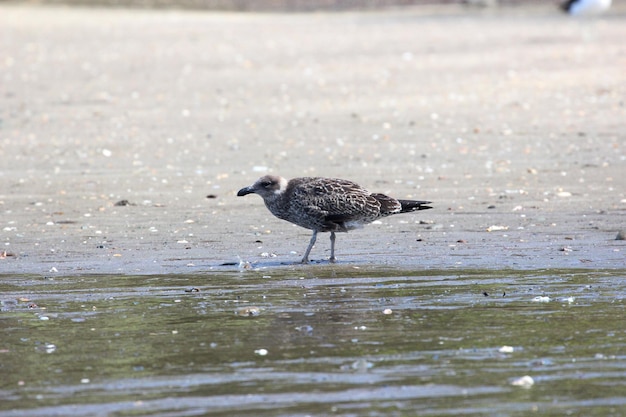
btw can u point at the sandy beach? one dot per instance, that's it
(125, 135)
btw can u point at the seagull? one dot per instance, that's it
(326, 205)
(586, 7)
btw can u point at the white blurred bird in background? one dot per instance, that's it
(586, 7)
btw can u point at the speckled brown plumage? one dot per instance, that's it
(326, 204)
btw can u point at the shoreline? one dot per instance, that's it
(500, 120)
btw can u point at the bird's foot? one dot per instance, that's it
(332, 259)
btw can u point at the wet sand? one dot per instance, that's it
(510, 121)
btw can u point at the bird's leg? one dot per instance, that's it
(305, 258)
(332, 248)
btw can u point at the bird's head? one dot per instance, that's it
(269, 186)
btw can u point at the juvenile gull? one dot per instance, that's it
(326, 205)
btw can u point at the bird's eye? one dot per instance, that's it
(266, 184)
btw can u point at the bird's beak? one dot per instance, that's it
(245, 191)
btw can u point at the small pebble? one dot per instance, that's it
(387, 311)
(250, 311)
(621, 235)
(245, 265)
(261, 352)
(361, 365)
(541, 299)
(495, 228)
(306, 329)
(524, 382)
(506, 349)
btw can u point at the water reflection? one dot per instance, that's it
(321, 340)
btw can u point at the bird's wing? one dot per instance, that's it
(339, 200)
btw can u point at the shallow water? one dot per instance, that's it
(316, 340)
